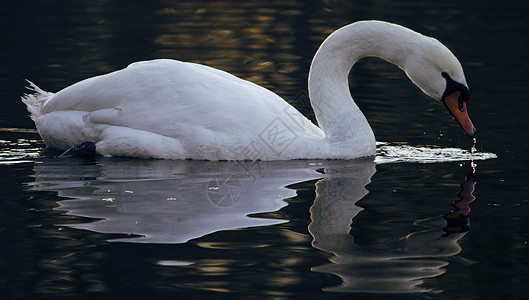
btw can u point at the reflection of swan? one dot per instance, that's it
(171, 201)
(175, 201)
(172, 109)
(458, 218)
(402, 266)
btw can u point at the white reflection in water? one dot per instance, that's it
(405, 263)
(171, 201)
(164, 201)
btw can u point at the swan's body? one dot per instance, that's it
(177, 110)
(173, 109)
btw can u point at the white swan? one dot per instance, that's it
(177, 110)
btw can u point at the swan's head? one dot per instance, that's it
(438, 73)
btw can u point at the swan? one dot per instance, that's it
(179, 110)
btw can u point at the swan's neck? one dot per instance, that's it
(338, 115)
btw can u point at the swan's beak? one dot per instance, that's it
(458, 108)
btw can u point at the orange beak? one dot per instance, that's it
(458, 109)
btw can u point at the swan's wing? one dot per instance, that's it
(114, 89)
(174, 99)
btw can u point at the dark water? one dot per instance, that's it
(119, 228)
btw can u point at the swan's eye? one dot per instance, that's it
(460, 104)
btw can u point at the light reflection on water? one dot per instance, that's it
(19, 145)
(401, 152)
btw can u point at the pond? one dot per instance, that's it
(425, 219)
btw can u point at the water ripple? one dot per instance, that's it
(399, 152)
(18, 146)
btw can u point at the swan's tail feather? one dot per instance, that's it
(35, 99)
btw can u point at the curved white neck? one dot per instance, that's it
(338, 115)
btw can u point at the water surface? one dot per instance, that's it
(394, 227)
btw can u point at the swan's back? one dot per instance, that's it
(201, 108)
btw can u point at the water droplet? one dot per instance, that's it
(473, 150)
